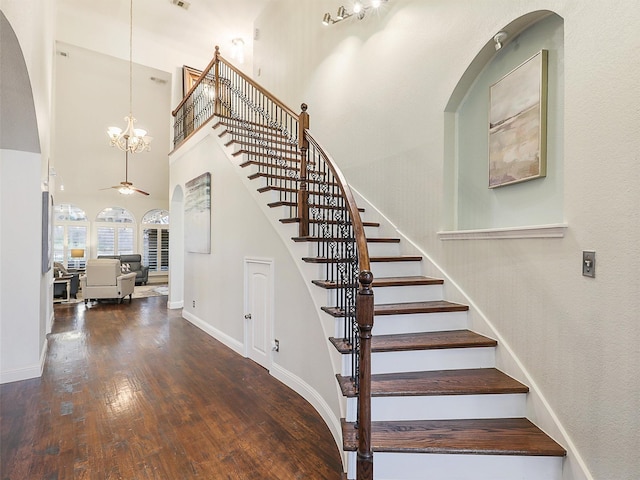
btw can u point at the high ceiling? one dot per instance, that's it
(197, 29)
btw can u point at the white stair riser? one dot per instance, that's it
(443, 407)
(382, 295)
(395, 269)
(410, 293)
(383, 249)
(415, 466)
(427, 360)
(415, 323)
(419, 322)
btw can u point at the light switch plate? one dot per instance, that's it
(589, 264)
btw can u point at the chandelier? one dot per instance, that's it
(131, 139)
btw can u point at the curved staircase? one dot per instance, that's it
(440, 409)
(435, 388)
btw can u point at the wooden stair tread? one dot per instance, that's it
(328, 222)
(241, 125)
(335, 239)
(240, 131)
(289, 190)
(401, 258)
(421, 341)
(271, 166)
(433, 306)
(474, 381)
(282, 203)
(387, 281)
(265, 154)
(502, 436)
(287, 178)
(291, 149)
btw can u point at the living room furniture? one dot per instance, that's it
(134, 260)
(104, 280)
(62, 289)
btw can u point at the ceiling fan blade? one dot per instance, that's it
(138, 190)
(115, 186)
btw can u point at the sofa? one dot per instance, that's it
(132, 262)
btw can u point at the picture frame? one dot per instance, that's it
(189, 78)
(518, 124)
(198, 214)
(47, 231)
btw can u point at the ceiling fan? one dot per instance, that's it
(126, 187)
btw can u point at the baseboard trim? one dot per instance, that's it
(219, 335)
(279, 373)
(307, 392)
(175, 305)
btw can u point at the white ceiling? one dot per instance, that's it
(197, 30)
(92, 87)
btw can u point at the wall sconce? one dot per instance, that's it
(237, 52)
(358, 10)
(499, 38)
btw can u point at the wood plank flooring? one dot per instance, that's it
(133, 392)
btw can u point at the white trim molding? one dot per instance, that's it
(534, 231)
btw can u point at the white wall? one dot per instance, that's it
(25, 293)
(377, 91)
(215, 282)
(22, 323)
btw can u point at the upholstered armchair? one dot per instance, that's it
(104, 279)
(60, 289)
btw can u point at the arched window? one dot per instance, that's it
(155, 240)
(115, 227)
(70, 234)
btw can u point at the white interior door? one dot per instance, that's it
(258, 303)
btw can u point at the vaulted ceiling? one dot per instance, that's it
(194, 30)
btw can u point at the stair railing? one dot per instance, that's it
(277, 142)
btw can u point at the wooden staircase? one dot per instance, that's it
(440, 408)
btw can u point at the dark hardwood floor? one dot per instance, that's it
(133, 391)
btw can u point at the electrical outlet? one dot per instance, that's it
(589, 264)
(194, 304)
(276, 345)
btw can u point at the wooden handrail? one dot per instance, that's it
(198, 82)
(358, 306)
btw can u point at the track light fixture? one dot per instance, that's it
(358, 10)
(499, 39)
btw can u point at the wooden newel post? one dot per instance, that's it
(216, 68)
(364, 309)
(303, 191)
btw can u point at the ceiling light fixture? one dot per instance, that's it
(358, 10)
(134, 140)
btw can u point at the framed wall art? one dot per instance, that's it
(198, 214)
(518, 124)
(189, 78)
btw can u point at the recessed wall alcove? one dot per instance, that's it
(470, 204)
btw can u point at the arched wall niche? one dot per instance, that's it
(470, 204)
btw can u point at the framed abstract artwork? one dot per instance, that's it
(198, 214)
(518, 124)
